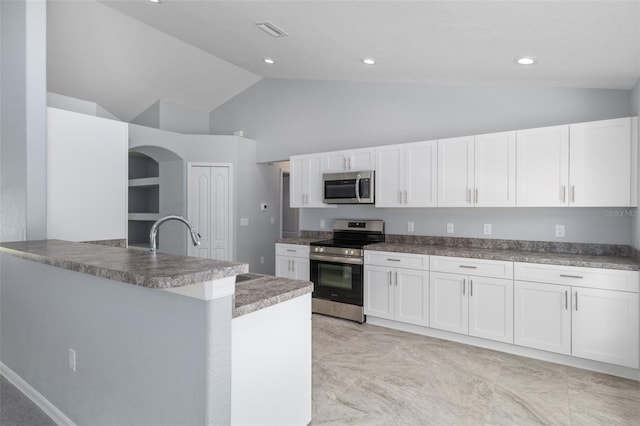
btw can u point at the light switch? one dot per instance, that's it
(244, 221)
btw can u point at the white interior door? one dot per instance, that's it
(210, 210)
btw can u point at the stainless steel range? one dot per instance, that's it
(337, 268)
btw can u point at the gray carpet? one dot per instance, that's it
(18, 410)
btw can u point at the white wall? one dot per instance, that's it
(173, 117)
(253, 183)
(68, 103)
(289, 117)
(635, 110)
(23, 188)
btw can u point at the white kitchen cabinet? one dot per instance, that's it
(306, 181)
(292, 261)
(477, 171)
(481, 306)
(542, 167)
(542, 316)
(603, 306)
(406, 175)
(396, 293)
(600, 163)
(87, 177)
(354, 160)
(605, 326)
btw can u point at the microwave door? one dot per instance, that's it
(336, 191)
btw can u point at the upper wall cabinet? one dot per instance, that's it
(86, 177)
(354, 160)
(306, 181)
(406, 175)
(543, 167)
(600, 163)
(581, 165)
(477, 171)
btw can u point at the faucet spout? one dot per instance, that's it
(195, 237)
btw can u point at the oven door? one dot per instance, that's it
(337, 281)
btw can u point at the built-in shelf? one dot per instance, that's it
(149, 217)
(144, 182)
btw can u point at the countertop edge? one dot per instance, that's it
(283, 296)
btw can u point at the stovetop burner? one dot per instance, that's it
(354, 234)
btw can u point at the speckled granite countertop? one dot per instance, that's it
(126, 265)
(564, 259)
(262, 292)
(301, 241)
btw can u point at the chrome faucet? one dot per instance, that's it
(195, 237)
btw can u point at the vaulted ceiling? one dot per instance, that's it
(127, 54)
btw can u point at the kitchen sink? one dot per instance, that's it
(247, 277)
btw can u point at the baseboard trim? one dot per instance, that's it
(43, 403)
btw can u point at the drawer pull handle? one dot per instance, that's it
(467, 266)
(293, 251)
(393, 260)
(571, 276)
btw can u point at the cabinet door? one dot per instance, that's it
(86, 177)
(491, 308)
(283, 266)
(542, 172)
(361, 159)
(448, 304)
(455, 172)
(313, 184)
(334, 162)
(300, 269)
(542, 316)
(421, 174)
(378, 292)
(605, 326)
(495, 170)
(297, 182)
(600, 163)
(389, 176)
(412, 296)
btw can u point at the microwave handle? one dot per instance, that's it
(358, 187)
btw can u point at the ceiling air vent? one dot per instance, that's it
(271, 29)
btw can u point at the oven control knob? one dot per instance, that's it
(351, 252)
(321, 249)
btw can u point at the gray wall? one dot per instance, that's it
(23, 189)
(141, 354)
(289, 117)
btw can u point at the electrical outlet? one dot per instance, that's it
(449, 228)
(262, 259)
(410, 226)
(323, 224)
(72, 360)
(244, 221)
(560, 231)
(487, 229)
(273, 220)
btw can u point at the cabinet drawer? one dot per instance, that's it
(608, 279)
(479, 267)
(398, 260)
(292, 250)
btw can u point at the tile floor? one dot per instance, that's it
(368, 375)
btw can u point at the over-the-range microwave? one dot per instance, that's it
(348, 188)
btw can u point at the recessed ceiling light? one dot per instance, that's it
(369, 61)
(271, 29)
(525, 60)
(154, 1)
(269, 61)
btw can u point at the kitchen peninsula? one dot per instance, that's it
(106, 335)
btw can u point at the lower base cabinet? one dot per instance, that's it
(292, 261)
(397, 294)
(477, 306)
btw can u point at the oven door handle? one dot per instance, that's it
(336, 259)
